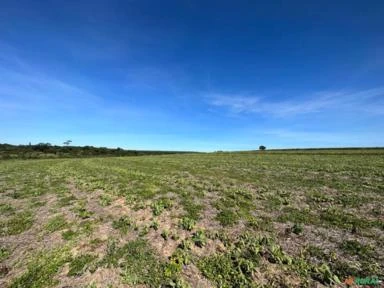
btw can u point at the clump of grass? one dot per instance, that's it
(4, 253)
(144, 231)
(187, 223)
(220, 269)
(324, 274)
(178, 283)
(140, 265)
(83, 213)
(154, 225)
(96, 242)
(185, 244)
(337, 218)
(35, 204)
(16, 194)
(297, 228)
(123, 224)
(175, 236)
(199, 238)
(66, 200)
(111, 255)
(298, 216)
(56, 223)
(80, 264)
(277, 255)
(252, 222)
(130, 199)
(320, 197)
(175, 264)
(159, 206)
(86, 227)
(165, 234)
(41, 271)
(354, 247)
(236, 266)
(105, 200)
(68, 234)
(6, 209)
(227, 217)
(16, 224)
(192, 208)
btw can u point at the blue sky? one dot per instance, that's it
(192, 75)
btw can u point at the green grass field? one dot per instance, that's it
(285, 219)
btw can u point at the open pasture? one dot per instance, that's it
(262, 219)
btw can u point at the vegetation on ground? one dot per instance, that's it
(305, 218)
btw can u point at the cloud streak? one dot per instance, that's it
(369, 101)
(36, 93)
(26, 89)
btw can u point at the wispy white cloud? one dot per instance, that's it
(38, 92)
(369, 100)
(26, 88)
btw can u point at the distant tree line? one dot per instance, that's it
(47, 150)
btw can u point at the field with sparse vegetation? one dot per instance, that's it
(261, 219)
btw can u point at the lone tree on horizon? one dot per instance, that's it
(66, 143)
(262, 147)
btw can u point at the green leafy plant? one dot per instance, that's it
(185, 244)
(187, 223)
(297, 228)
(68, 234)
(83, 213)
(4, 253)
(154, 225)
(105, 200)
(144, 230)
(159, 206)
(354, 247)
(165, 234)
(123, 224)
(199, 238)
(227, 217)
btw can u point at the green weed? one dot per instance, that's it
(4, 253)
(159, 206)
(354, 247)
(42, 269)
(227, 217)
(80, 264)
(199, 238)
(154, 225)
(56, 223)
(297, 228)
(123, 224)
(187, 223)
(83, 213)
(165, 234)
(16, 224)
(6, 209)
(105, 200)
(68, 234)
